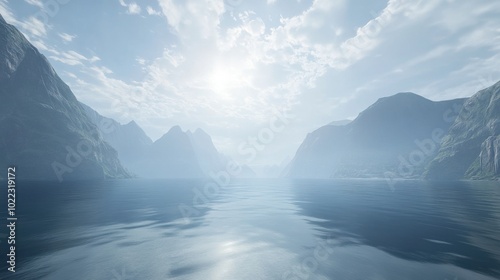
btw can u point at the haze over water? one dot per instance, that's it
(259, 229)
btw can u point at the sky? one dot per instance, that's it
(259, 75)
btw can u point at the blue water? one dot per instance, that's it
(258, 229)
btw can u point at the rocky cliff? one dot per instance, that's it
(45, 132)
(470, 149)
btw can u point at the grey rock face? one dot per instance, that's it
(489, 158)
(459, 156)
(45, 132)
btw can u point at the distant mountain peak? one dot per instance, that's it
(132, 123)
(175, 129)
(409, 96)
(200, 133)
(1, 19)
(406, 93)
(175, 132)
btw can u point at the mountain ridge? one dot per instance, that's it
(50, 137)
(372, 144)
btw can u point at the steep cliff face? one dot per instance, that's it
(489, 158)
(45, 132)
(468, 151)
(397, 134)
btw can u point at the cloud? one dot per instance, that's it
(72, 58)
(37, 3)
(459, 15)
(141, 61)
(151, 11)
(67, 37)
(193, 18)
(30, 27)
(35, 27)
(7, 13)
(132, 8)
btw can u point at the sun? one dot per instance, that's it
(220, 80)
(225, 79)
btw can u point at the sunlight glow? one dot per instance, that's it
(226, 79)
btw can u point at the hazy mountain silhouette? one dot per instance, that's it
(208, 157)
(177, 154)
(381, 139)
(171, 156)
(472, 147)
(45, 131)
(129, 140)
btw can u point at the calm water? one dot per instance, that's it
(261, 229)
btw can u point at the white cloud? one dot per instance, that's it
(193, 18)
(132, 8)
(72, 57)
(67, 37)
(38, 3)
(459, 15)
(487, 35)
(141, 61)
(35, 27)
(30, 27)
(7, 13)
(151, 11)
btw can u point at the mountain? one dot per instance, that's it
(177, 154)
(171, 156)
(397, 135)
(471, 149)
(45, 131)
(129, 140)
(209, 159)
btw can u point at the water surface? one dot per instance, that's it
(257, 229)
